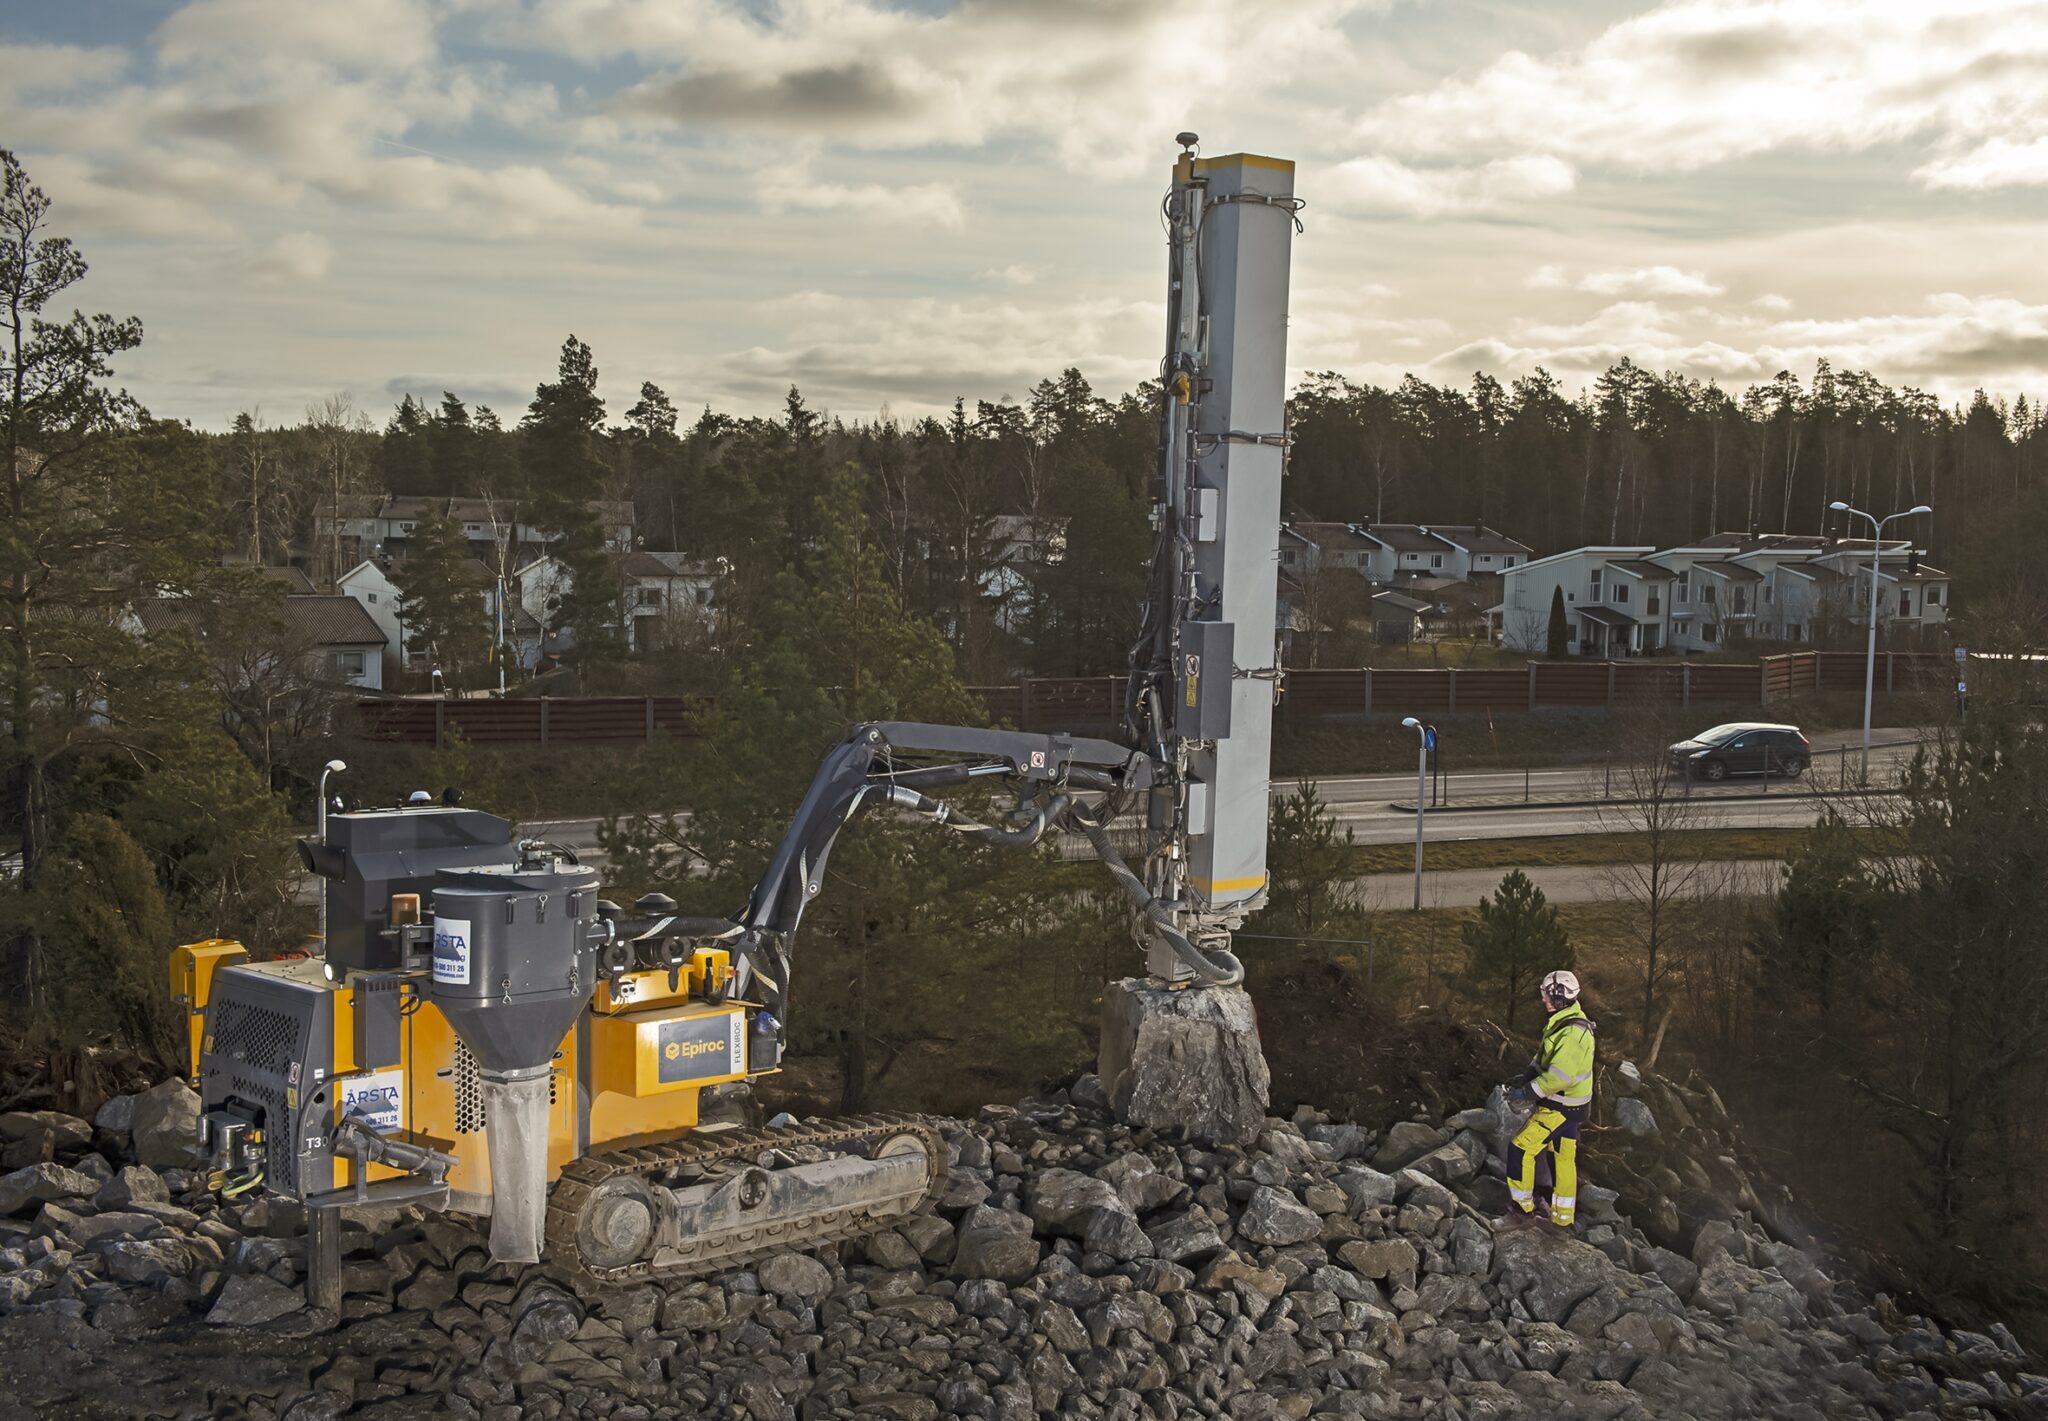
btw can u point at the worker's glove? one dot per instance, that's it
(1520, 1094)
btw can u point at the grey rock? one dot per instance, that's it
(1275, 1217)
(252, 1299)
(1089, 1093)
(164, 1123)
(931, 1237)
(1188, 1237)
(1448, 1294)
(890, 1249)
(41, 1183)
(1395, 1260)
(993, 1243)
(131, 1184)
(1115, 1235)
(796, 1275)
(1365, 1188)
(1407, 1141)
(1186, 1060)
(1448, 1164)
(64, 1132)
(1635, 1117)
(1345, 1141)
(143, 1260)
(114, 1116)
(1061, 1201)
(1550, 1274)
(696, 1309)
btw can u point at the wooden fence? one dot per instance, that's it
(1094, 704)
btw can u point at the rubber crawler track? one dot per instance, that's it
(699, 1256)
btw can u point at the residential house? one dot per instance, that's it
(666, 590)
(383, 524)
(369, 582)
(1701, 597)
(1307, 548)
(1407, 550)
(341, 642)
(1478, 551)
(1397, 618)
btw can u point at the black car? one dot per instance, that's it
(1742, 747)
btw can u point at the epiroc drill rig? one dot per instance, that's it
(486, 1034)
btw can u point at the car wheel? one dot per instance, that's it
(1794, 768)
(1715, 771)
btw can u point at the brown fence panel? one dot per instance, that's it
(1648, 683)
(1721, 684)
(1005, 704)
(1409, 692)
(1571, 684)
(1328, 693)
(1493, 690)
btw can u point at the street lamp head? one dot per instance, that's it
(1918, 508)
(1840, 507)
(335, 767)
(1411, 723)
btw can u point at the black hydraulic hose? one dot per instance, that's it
(940, 812)
(1221, 968)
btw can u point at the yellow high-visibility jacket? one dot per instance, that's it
(1564, 1063)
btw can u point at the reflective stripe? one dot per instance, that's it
(1521, 1195)
(1573, 1080)
(1564, 1203)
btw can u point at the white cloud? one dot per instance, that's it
(795, 189)
(1648, 281)
(55, 68)
(1379, 185)
(1700, 82)
(373, 34)
(294, 257)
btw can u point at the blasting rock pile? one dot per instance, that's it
(1073, 1268)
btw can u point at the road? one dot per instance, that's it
(1573, 883)
(1360, 802)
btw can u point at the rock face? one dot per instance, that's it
(164, 1123)
(1186, 1061)
(1085, 1269)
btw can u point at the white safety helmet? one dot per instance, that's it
(1564, 986)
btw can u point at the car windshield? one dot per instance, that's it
(1720, 733)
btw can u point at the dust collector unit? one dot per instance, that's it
(515, 955)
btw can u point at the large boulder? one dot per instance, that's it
(1062, 1201)
(994, 1243)
(1551, 1274)
(1184, 1060)
(165, 1126)
(40, 1183)
(132, 1184)
(252, 1299)
(796, 1275)
(1406, 1142)
(1276, 1217)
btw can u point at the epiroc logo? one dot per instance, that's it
(697, 1048)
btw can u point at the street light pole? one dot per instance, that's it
(1421, 787)
(1870, 652)
(332, 767)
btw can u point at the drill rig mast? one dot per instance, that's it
(487, 1034)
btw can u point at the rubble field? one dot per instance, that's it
(1074, 1267)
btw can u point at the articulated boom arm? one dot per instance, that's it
(1065, 784)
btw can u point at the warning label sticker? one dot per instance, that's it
(451, 951)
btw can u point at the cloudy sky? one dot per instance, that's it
(889, 204)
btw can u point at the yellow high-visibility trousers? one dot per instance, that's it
(1554, 1132)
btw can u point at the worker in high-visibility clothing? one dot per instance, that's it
(1560, 1083)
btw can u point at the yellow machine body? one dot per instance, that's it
(628, 1072)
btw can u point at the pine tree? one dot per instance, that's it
(1558, 639)
(441, 600)
(565, 472)
(1517, 938)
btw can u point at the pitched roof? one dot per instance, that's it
(1607, 615)
(291, 578)
(1334, 537)
(1733, 571)
(1643, 567)
(161, 614)
(1480, 539)
(1400, 601)
(332, 621)
(1406, 537)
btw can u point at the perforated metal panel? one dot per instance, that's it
(470, 1115)
(264, 1039)
(267, 1049)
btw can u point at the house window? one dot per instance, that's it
(1708, 631)
(405, 527)
(1508, 561)
(1905, 603)
(1707, 593)
(1593, 582)
(1934, 596)
(703, 597)
(1436, 560)
(1770, 593)
(1287, 558)
(650, 596)
(1486, 557)
(1794, 632)
(1621, 592)
(1683, 591)
(371, 597)
(348, 664)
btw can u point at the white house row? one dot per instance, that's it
(1398, 552)
(1645, 601)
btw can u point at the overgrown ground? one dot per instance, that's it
(1567, 850)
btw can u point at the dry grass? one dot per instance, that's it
(1564, 851)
